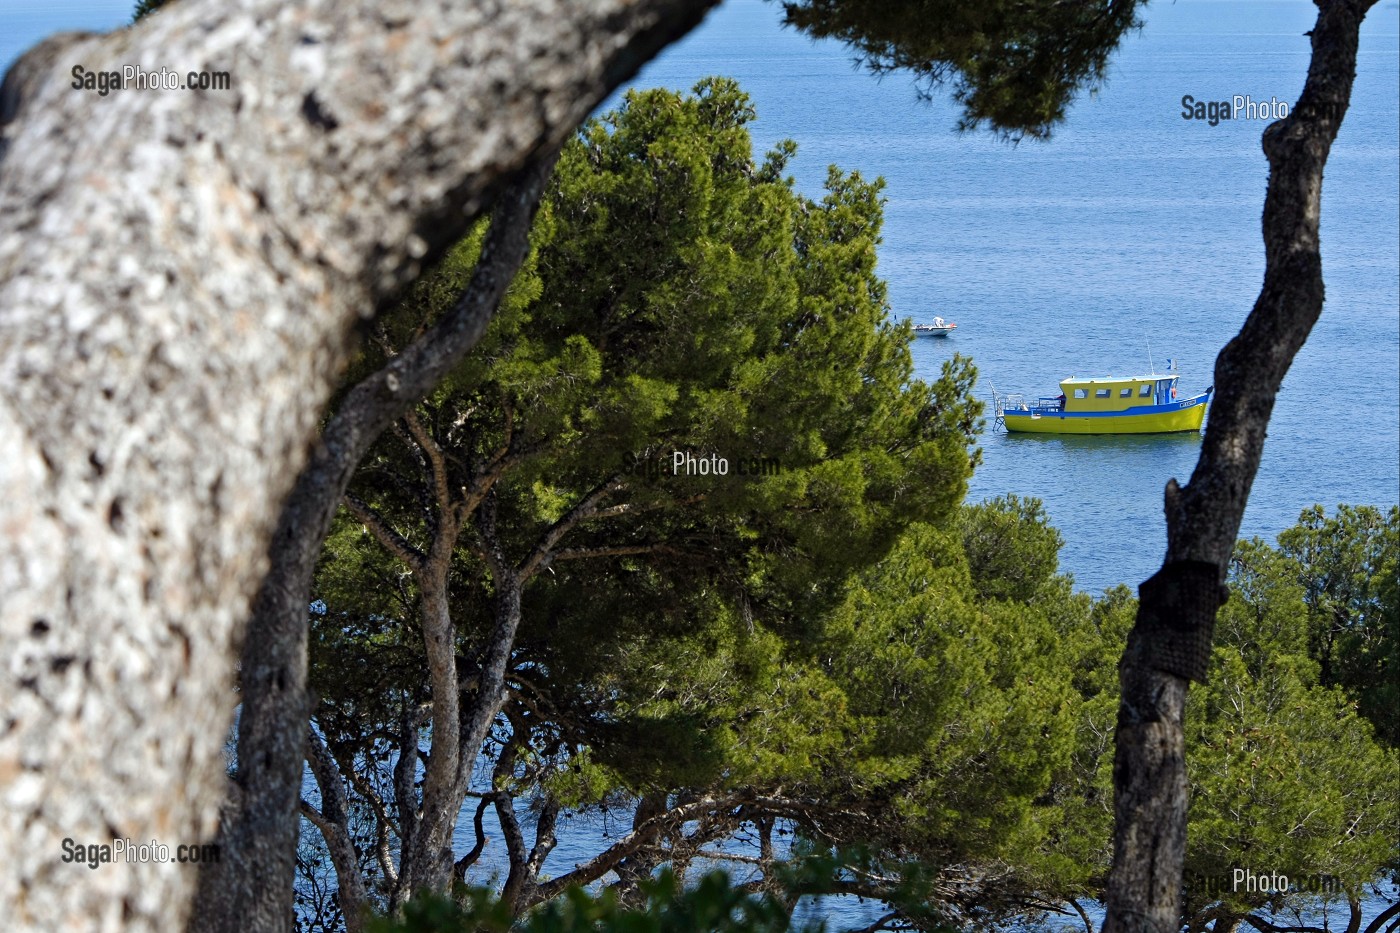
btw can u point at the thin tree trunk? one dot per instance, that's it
(333, 820)
(457, 736)
(525, 864)
(427, 863)
(180, 277)
(502, 800)
(1170, 643)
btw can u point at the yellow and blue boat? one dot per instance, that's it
(1130, 405)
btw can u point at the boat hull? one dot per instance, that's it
(1187, 415)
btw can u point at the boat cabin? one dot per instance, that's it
(1110, 394)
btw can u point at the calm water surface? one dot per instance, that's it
(1133, 231)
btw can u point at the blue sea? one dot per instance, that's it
(1131, 237)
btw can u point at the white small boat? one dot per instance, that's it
(939, 328)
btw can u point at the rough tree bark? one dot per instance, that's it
(1170, 642)
(250, 888)
(180, 276)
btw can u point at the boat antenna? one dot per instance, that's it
(1151, 365)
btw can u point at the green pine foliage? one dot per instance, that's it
(146, 7)
(1011, 547)
(713, 905)
(1287, 776)
(905, 682)
(1294, 767)
(1015, 66)
(1348, 567)
(680, 298)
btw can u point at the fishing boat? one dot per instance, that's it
(1108, 405)
(939, 328)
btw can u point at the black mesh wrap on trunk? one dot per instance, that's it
(1176, 617)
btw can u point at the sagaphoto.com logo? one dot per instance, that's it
(93, 854)
(1236, 107)
(133, 77)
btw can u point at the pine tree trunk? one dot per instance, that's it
(1171, 640)
(181, 273)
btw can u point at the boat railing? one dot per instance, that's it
(1003, 403)
(1016, 402)
(1013, 402)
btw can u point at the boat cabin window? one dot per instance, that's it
(1126, 393)
(1146, 390)
(1103, 393)
(1081, 393)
